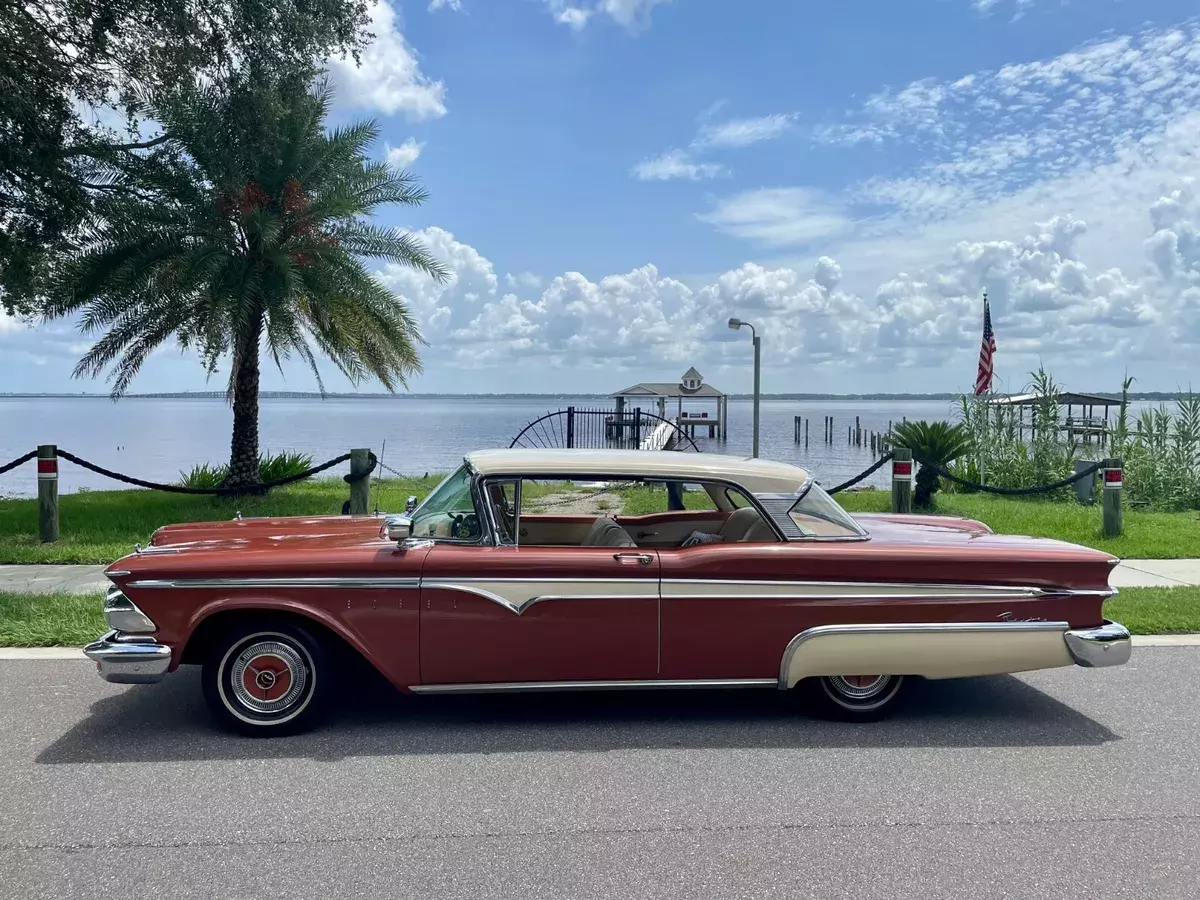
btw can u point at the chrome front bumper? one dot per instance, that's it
(129, 658)
(1105, 645)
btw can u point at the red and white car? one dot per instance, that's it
(749, 575)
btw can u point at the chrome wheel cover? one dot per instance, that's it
(269, 677)
(858, 688)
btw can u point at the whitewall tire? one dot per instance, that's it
(267, 679)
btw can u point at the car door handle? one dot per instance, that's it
(633, 559)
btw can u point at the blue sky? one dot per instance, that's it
(612, 179)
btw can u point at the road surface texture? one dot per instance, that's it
(1067, 783)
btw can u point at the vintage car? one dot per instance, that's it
(724, 573)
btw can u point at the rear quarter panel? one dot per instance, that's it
(771, 592)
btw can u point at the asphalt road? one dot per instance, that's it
(1060, 784)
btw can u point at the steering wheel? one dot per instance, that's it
(464, 525)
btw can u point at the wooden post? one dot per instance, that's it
(571, 427)
(857, 432)
(1114, 474)
(47, 476)
(360, 491)
(902, 479)
(806, 434)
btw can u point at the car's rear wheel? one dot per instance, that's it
(267, 679)
(855, 698)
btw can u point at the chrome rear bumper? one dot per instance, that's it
(1105, 645)
(129, 658)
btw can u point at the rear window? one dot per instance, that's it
(818, 515)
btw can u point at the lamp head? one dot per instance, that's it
(735, 324)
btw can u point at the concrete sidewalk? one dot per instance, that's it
(91, 580)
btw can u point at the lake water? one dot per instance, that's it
(155, 439)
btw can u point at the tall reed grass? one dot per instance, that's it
(1161, 447)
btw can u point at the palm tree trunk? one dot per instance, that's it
(243, 449)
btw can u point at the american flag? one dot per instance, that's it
(987, 351)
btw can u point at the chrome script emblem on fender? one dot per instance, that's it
(1009, 617)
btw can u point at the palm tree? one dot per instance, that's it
(244, 233)
(939, 443)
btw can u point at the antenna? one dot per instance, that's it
(379, 480)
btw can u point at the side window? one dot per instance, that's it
(503, 499)
(663, 497)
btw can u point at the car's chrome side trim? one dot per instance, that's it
(516, 687)
(671, 588)
(519, 606)
(796, 643)
(277, 583)
(818, 590)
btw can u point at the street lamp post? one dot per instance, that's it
(735, 324)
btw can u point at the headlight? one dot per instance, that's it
(122, 614)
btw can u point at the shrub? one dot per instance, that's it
(270, 468)
(283, 465)
(939, 443)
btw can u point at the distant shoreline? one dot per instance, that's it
(1155, 396)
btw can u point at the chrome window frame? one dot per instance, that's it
(482, 483)
(475, 502)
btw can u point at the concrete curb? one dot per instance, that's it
(1139, 640)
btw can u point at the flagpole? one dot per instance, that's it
(986, 406)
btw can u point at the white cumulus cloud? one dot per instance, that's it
(406, 154)
(389, 78)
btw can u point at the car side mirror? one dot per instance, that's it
(399, 528)
(410, 505)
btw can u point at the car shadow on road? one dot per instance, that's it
(168, 722)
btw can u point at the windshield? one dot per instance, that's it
(818, 515)
(448, 512)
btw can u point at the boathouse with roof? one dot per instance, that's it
(693, 402)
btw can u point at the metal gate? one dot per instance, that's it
(598, 429)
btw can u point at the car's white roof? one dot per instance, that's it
(758, 476)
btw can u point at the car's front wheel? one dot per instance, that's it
(267, 679)
(854, 698)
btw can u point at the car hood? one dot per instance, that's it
(293, 539)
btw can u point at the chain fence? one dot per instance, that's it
(372, 462)
(1013, 492)
(973, 485)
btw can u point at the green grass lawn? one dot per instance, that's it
(100, 526)
(50, 620)
(1147, 535)
(71, 620)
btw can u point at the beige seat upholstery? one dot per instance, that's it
(606, 532)
(746, 524)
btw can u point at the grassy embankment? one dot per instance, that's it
(71, 620)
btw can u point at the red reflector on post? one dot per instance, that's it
(47, 466)
(902, 469)
(1111, 475)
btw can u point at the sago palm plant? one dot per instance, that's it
(244, 233)
(939, 443)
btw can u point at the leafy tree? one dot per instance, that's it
(61, 58)
(939, 443)
(241, 234)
